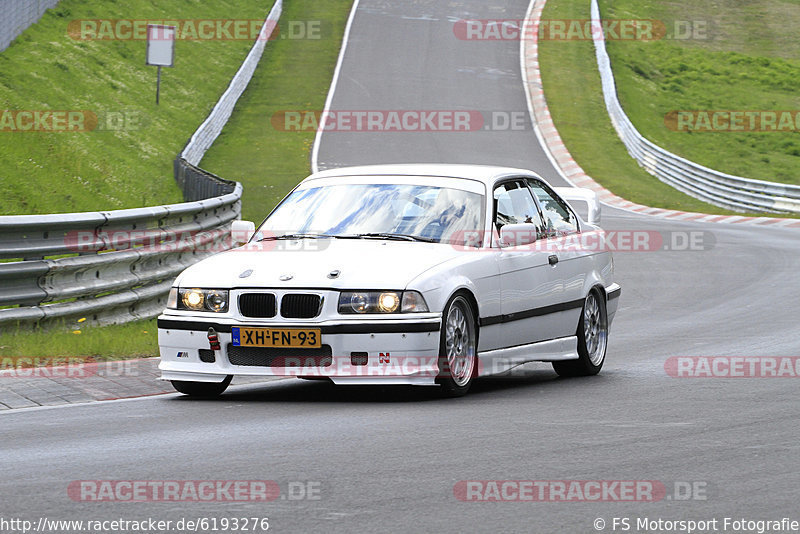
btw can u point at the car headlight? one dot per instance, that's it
(217, 300)
(351, 302)
(388, 302)
(192, 299)
(196, 299)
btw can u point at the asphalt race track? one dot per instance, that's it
(387, 460)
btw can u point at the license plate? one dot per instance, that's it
(302, 338)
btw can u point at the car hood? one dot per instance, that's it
(310, 263)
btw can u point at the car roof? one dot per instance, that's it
(484, 173)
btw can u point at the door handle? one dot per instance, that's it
(552, 259)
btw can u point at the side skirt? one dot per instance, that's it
(493, 362)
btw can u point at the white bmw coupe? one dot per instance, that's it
(398, 274)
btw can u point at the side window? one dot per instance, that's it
(514, 204)
(558, 217)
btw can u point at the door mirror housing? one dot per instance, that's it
(242, 231)
(572, 194)
(517, 235)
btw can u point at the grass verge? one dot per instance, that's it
(574, 95)
(115, 342)
(126, 161)
(740, 56)
(293, 75)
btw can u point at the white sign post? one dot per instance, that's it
(160, 49)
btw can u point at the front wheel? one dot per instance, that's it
(458, 348)
(202, 389)
(592, 340)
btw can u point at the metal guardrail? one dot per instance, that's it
(198, 184)
(117, 266)
(212, 126)
(725, 190)
(18, 15)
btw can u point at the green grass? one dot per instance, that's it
(46, 69)
(131, 340)
(575, 98)
(292, 75)
(745, 60)
(574, 95)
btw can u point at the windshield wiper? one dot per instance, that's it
(398, 237)
(369, 235)
(296, 236)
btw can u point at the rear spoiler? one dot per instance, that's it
(571, 194)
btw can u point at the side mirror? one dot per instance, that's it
(594, 213)
(572, 194)
(517, 235)
(242, 231)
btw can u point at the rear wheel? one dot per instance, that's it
(458, 348)
(592, 340)
(202, 389)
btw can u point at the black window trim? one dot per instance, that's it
(563, 203)
(509, 179)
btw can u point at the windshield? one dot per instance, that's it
(426, 213)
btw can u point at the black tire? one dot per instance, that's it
(592, 339)
(202, 389)
(458, 348)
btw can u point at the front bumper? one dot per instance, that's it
(396, 352)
